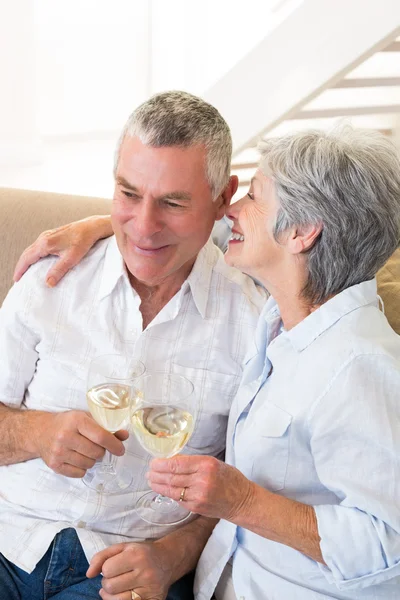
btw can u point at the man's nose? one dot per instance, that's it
(147, 219)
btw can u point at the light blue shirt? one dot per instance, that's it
(221, 233)
(317, 419)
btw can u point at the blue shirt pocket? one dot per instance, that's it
(271, 447)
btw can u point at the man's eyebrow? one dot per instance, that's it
(125, 183)
(183, 196)
(178, 195)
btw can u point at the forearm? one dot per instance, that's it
(281, 520)
(219, 490)
(17, 441)
(101, 226)
(182, 548)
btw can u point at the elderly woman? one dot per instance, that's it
(309, 495)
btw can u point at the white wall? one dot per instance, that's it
(92, 63)
(19, 136)
(72, 71)
(195, 43)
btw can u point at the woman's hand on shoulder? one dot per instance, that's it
(70, 242)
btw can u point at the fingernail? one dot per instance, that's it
(51, 282)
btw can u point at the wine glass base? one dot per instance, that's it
(159, 510)
(107, 483)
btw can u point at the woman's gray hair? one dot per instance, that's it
(347, 181)
(180, 119)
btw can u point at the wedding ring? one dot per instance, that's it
(182, 496)
(135, 596)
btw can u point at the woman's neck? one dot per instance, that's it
(286, 290)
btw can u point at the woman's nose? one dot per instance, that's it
(234, 209)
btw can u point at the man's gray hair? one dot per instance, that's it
(347, 181)
(180, 119)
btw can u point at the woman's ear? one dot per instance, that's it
(303, 238)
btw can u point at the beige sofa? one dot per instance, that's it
(24, 214)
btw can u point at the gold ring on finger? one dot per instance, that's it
(182, 496)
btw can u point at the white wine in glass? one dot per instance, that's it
(111, 393)
(109, 404)
(162, 431)
(163, 421)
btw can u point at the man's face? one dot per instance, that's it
(163, 211)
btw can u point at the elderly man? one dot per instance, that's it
(158, 290)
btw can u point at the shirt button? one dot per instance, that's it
(81, 524)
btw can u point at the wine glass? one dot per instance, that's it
(111, 392)
(163, 420)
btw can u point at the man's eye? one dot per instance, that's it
(129, 194)
(173, 204)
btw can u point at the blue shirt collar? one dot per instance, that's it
(315, 324)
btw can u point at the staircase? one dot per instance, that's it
(286, 87)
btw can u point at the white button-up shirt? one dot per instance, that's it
(322, 427)
(48, 338)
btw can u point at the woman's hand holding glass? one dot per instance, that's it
(163, 420)
(110, 395)
(212, 488)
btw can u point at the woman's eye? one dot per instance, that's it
(250, 195)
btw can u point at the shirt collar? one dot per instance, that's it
(113, 269)
(198, 281)
(310, 328)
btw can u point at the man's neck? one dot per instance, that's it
(155, 297)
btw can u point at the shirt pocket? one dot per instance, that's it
(271, 455)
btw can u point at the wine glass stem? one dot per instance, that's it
(164, 500)
(108, 463)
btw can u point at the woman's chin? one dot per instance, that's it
(230, 259)
(234, 261)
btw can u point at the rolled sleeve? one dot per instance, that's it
(353, 547)
(355, 443)
(18, 342)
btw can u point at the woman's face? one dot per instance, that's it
(252, 247)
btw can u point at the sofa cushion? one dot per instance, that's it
(388, 278)
(24, 214)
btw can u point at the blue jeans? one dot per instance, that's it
(60, 575)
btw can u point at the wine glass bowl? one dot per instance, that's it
(163, 420)
(109, 405)
(162, 430)
(110, 396)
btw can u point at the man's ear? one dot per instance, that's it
(225, 197)
(303, 238)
